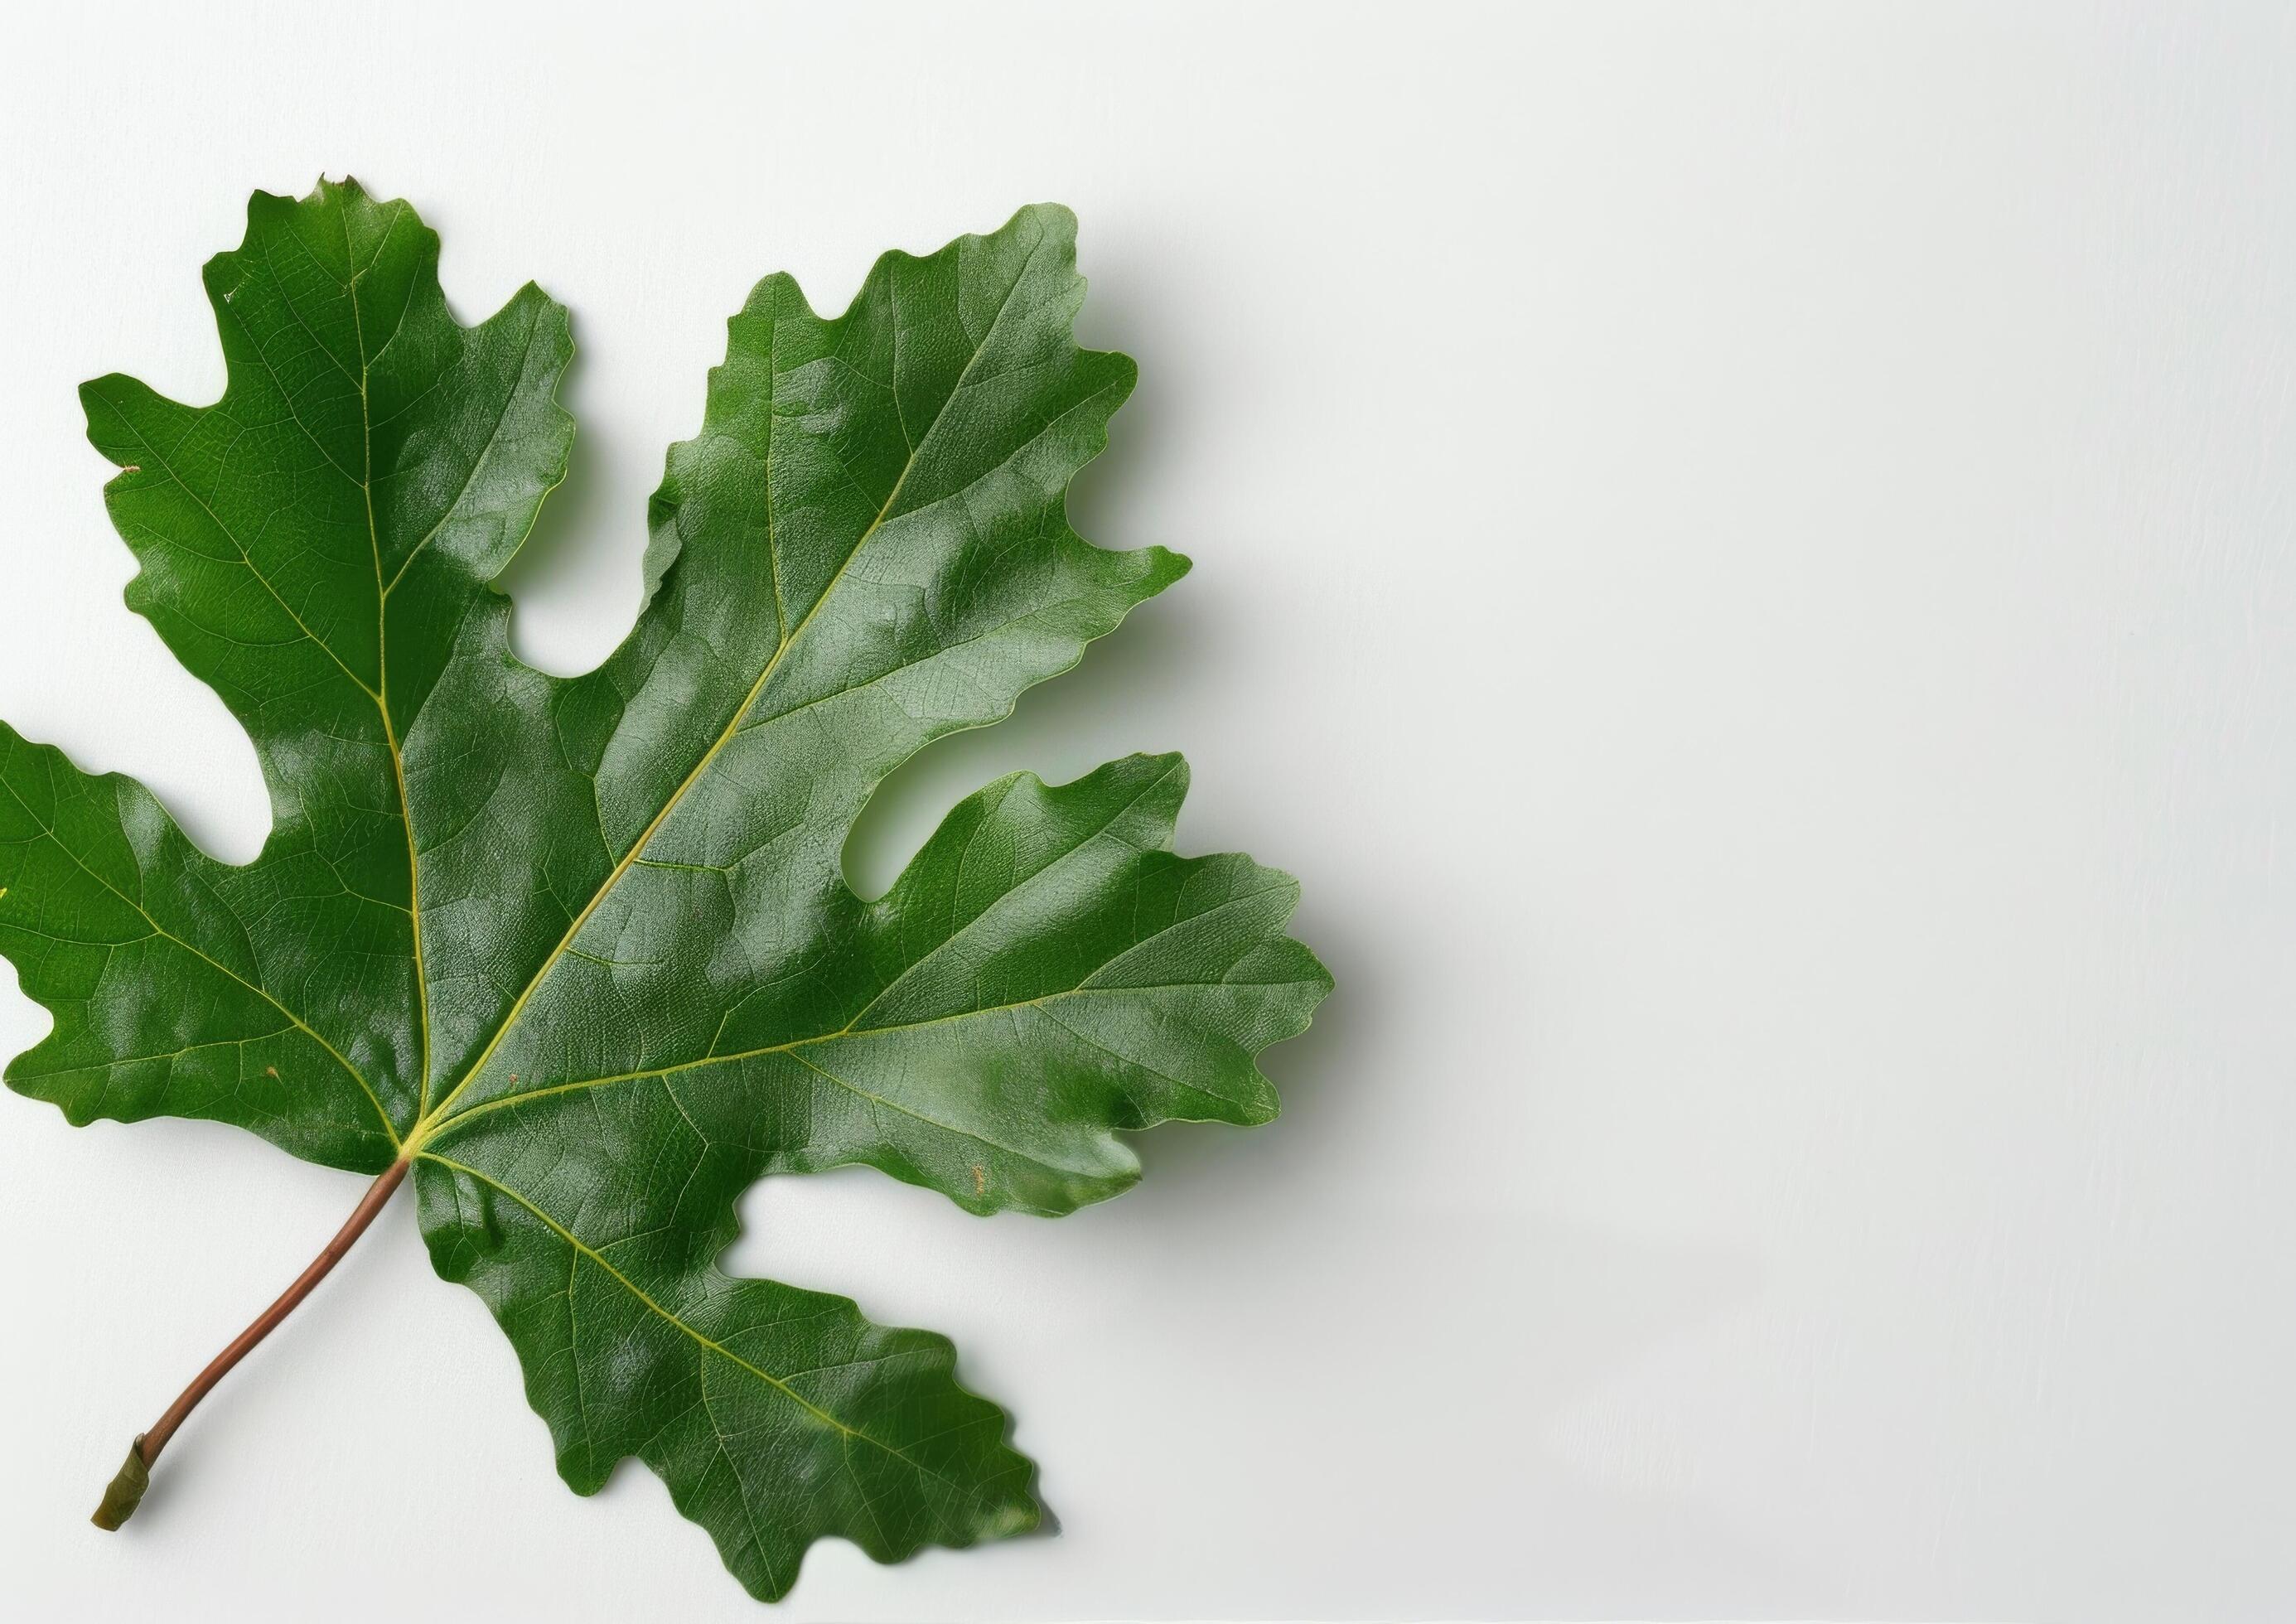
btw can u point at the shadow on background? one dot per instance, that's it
(583, 524)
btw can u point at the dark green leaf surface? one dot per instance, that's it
(581, 948)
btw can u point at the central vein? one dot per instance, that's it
(430, 1120)
(382, 669)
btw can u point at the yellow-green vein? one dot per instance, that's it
(382, 670)
(725, 736)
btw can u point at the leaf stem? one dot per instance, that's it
(127, 1489)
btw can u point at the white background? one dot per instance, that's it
(1743, 558)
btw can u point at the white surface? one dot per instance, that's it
(1742, 556)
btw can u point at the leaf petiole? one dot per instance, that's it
(126, 1491)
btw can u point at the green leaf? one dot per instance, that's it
(581, 948)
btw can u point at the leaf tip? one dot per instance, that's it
(1057, 218)
(348, 186)
(1020, 1517)
(1161, 567)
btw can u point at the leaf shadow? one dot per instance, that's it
(584, 537)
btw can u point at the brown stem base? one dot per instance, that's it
(127, 1489)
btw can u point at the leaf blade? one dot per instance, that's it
(141, 947)
(894, 1454)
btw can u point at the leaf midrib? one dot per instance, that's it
(382, 637)
(430, 1120)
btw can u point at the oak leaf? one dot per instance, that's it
(576, 954)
